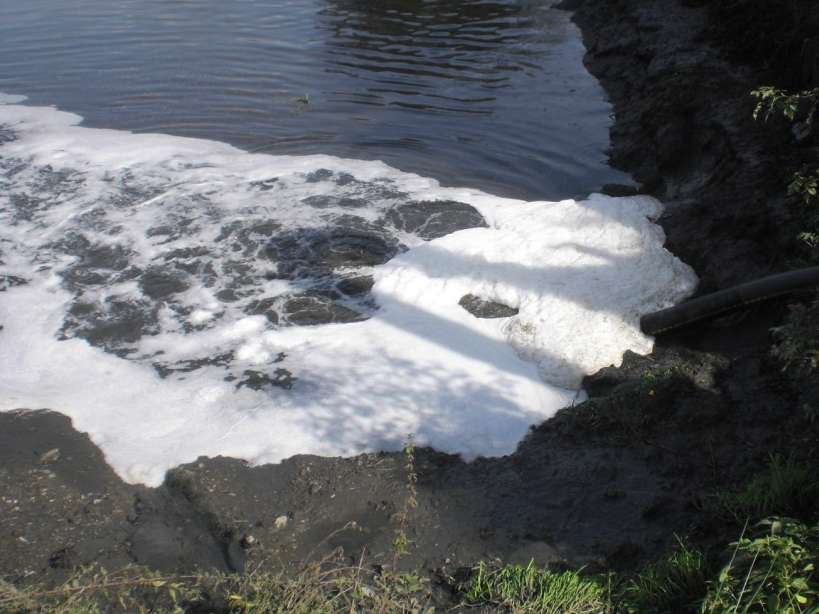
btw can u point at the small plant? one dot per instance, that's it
(402, 542)
(329, 586)
(531, 589)
(772, 101)
(93, 589)
(796, 342)
(786, 487)
(773, 572)
(799, 108)
(676, 583)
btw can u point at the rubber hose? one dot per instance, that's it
(712, 305)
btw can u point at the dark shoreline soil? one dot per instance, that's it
(605, 484)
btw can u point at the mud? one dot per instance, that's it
(605, 484)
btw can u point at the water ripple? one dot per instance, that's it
(472, 92)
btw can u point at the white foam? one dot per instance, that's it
(580, 273)
(11, 98)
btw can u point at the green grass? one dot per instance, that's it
(786, 487)
(528, 589)
(772, 569)
(676, 583)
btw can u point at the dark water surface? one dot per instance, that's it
(489, 94)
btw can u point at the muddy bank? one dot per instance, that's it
(605, 484)
(684, 130)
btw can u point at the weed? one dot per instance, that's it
(786, 487)
(772, 101)
(325, 587)
(773, 572)
(676, 583)
(93, 589)
(402, 542)
(796, 342)
(799, 108)
(530, 589)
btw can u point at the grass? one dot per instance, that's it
(774, 569)
(786, 487)
(796, 341)
(326, 587)
(528, 589)
(676, 583)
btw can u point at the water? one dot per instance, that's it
(182, 296)
(482, 93)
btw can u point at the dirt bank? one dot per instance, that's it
(606, 483)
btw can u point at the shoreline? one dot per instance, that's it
(605, 484)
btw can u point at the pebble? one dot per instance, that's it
(281, 522)
(52, 456)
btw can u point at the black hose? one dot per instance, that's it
(719, 302)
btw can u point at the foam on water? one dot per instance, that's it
(157, 290)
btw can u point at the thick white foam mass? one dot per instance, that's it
(148, 281)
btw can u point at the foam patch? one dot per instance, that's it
(179, 297)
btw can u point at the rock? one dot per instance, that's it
(52, 456)
(62, 559)
(186, 366)
(310, 310)
(324, 202)
(256, 380)
(619, 189)
(355, 286)
(310, 252)
(159, 283)
(111, 324)
(481, 308)
(266, 307)
(10, 281)
(434, 219)
(281, 522)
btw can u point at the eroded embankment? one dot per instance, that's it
(606, 483)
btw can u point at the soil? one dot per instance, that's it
(604, 484)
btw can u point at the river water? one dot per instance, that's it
(490, 94)
(260, 229)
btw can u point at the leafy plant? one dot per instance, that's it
(402, 541)
(772, 100)
(799, 108)
(773, 572)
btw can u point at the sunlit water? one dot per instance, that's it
(220, 295)
(490, 94)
